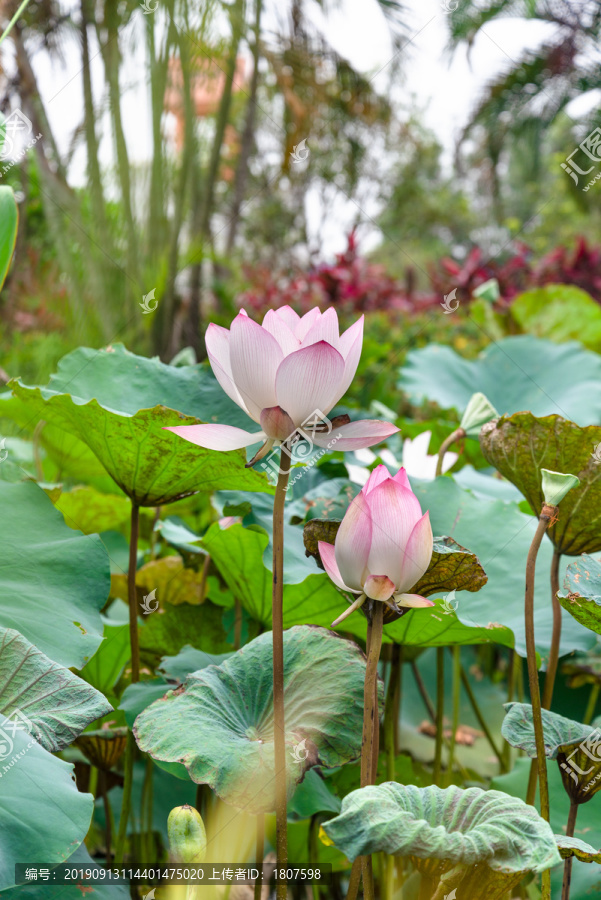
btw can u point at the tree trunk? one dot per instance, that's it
(248, 134)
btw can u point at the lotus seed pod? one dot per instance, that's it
(187, 835)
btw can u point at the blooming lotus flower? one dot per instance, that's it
(384, 544)
(282, 373)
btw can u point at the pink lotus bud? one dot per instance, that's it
(384, 544)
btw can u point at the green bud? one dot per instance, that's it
(488, 291)
(556, 485)
(187, 835)
(479, 411)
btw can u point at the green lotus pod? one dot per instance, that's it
(478, 412)
(489, 290)
(556, 485)
(187, 835)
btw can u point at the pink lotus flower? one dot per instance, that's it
(282, 373)
(384, 544)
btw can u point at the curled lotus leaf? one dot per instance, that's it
(219, 724)
(559, 733)
(461, 828)
(519, 446)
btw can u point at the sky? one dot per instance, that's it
(445, 87)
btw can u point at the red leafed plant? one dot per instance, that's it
(581, 266)
(354, 284)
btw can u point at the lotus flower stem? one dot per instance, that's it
(131, 593)
(482, 721)
(541, 760)
(567, 867)
(454, 436)
(439, 714)
(456, 654)
(108, 819)
(370, 710)
(592, 704)
(147, 849)
(556, 634)
(237, 624)
(128, 760)
(128, 771)
(259, 852)
(370, 723)
(277, 616)
(355, 880)
(423, 692)
(391, 710)
(202, 588)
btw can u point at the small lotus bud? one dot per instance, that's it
(276, 423)
(478, 412)
(489, 290)
(187, 835)
(556, 485)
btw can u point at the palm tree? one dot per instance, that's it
(513, 120)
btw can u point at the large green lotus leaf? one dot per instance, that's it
(105, 668)
(57, 703)
(55, 581)
(189, 659)
(87, 510)
(177, 534)
(465, 827)
(220, 723)
(43, 817)
(586, 879)
(9, 218)
(514, 373)
(119, 405)
(579, 849)
(485, 484)
(520, 445)
(581, 596)
(312, 796)
(170, 628)
(238, 553)
(70, 456)
(173, 582)
(558, 732)
(561, 312)
(296, 567)
(500, 535)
